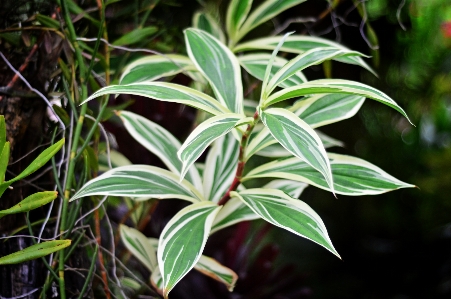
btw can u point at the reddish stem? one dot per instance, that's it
(241, 162)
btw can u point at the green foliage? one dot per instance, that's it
(219, 197)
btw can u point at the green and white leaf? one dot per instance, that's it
(138, 244)
(212, 268)
(255, 64)
(205, 134)
(288, 213)
(352, 176)
(166, 92)
(219, 66)
(299, 44)
(263, 144)
(323, 109)
(220, 167)
(34, 251)
(151, 68)
(234, 211)
(334, 86)
(183, 240)
(207, 23)
(236, 15)
(292, 188)
(140, 182)
(157, 280)
(329, 141)
(298, 138)
(160, 142)
(264, 12)
(31, 202)
(270, 65)
(302, 61)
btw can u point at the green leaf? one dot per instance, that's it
(255, 64)
(182, 242)
(300, 44)
(167, 92)
(211, 268)
(31, 202)
(352, 176)
(266, 11)
(292, 188)
(220, 167)
(302, 61)
(157, 280)
(219, 66)
(288, 213)
(47, 21)
(234, 211)
(205, 134)
(137, 35)
(40, 161)
(2, 132)
(205, 22)
(138, 244)
(152, 68)
(334, 86)
(264, 144)
(270, 65)
(298, 138)
(4, 160)
(34, 252)
(323, 109)
(236, 15)
(159, 142)
(140, 182)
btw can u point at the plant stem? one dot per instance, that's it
(241, 161)
(71, 168)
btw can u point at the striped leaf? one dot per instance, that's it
(302, 61)
(255, 64)
(157, 280)
(266, 11)
(263, 144)
(300, 44)
(323, 109)
(210, 267)
(31, 202)
(166, 92)
(219, 66)
(334, 86)
(270, 64)
(205, 134)
(34, 251)
(182, 242)
(138, 245)
(234, 211)
(140, 182)
(236, 15)
(250, 107)
(352, 176)
(288, 213)
(299, 139)
(159, 142)
(151, 68)
(205, 22)
(292, 188)
(220, 167)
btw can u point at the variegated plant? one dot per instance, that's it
(237, 129)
